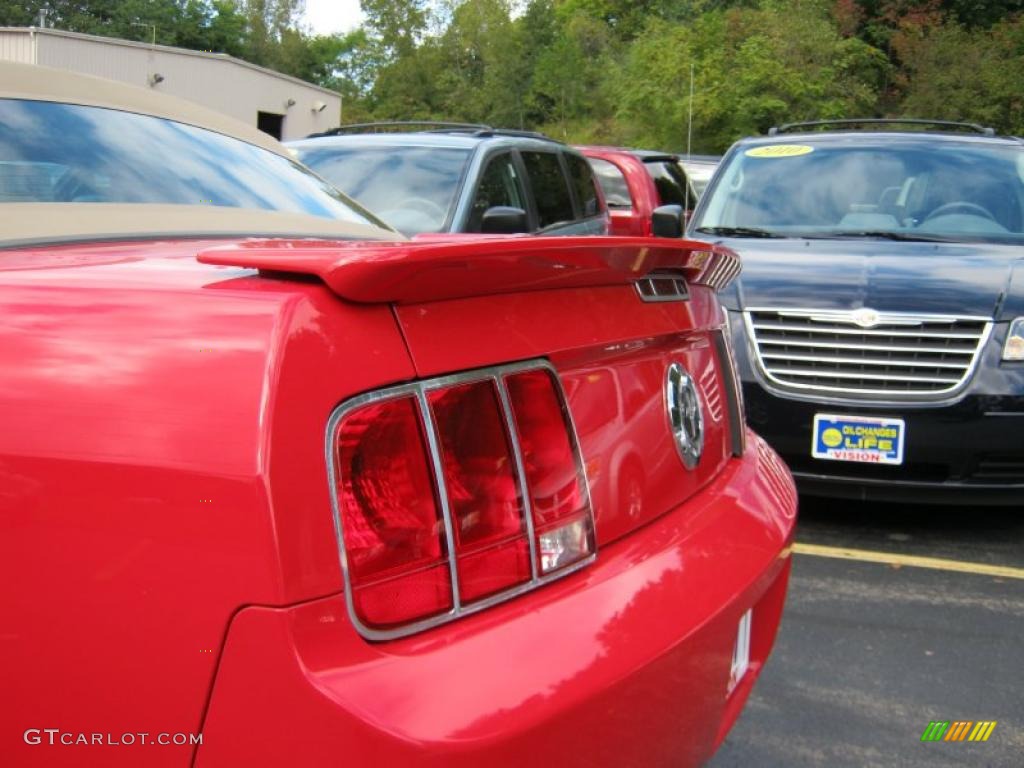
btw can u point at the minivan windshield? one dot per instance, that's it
(897, 189)
(68, 153)
(414, 189)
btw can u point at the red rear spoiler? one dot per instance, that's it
(431, 270)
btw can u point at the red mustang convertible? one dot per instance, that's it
(279, 488)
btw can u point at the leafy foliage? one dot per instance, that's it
(952, 72)
(612, 71)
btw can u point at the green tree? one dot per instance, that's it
(408, 88)
(480, 78)
(611, 70)
(225, 31)
(568, 78)
(753, 68)
(397, 25)
(951, 72)
(626, 19)
(267, 22)
(348, 64)
(195, 24)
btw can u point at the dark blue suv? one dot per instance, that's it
(452, 177)
(879, 319)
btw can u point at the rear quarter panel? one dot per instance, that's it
(141, 497)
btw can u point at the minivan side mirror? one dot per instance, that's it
(504, 220)
(668, 221)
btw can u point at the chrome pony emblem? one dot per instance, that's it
(685, 416)
(865, 317)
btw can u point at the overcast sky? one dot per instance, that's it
(328, 16)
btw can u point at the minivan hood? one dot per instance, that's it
(936, 278)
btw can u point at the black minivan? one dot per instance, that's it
(879, 318)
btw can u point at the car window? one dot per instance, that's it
(65, 153)
(670, 181)
(952, 190)
(412, 188)
(550, 188)
(583, 184)
(613, 183)
(499, 185)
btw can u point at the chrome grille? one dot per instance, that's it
(865, 354)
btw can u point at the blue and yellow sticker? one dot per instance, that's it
(779, 150)
(864, 439)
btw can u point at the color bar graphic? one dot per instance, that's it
(958, 730)
(983, 730)
(935, 730)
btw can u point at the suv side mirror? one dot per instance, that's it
(504, 220)
(669, 221)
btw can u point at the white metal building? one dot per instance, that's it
(283, 106)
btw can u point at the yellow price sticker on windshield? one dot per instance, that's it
(779, 150)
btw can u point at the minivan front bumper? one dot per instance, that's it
(968, 449)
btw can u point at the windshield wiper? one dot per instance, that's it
(737, 232)
(884, 234)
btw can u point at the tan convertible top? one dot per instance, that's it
(36, 83)
(27, 224)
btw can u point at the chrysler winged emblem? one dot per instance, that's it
(685, 416)
(865, 317)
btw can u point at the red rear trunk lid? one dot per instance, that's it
(612, 352)
(577, 303)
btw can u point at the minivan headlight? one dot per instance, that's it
(1014, 347)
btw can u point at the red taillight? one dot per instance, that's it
(391, 522)
(558, 494)
(488, 516)
(450, 478)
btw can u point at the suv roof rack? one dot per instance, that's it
(385, 126)
(431, 126)
(855, 123)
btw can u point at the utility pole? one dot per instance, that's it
(151, 26)
(689, 118)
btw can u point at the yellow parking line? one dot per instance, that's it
(888, 558)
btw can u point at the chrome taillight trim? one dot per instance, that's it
(842, 324)
(419, 390)
(434, 447)
(517, 457)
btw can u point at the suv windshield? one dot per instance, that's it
(855, 187)
(412, 188)
(65, 153)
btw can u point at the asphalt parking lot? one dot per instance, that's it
(869, 653)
